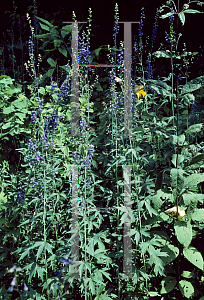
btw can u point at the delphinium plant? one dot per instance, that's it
(166, 160)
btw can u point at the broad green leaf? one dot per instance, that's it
(8, 110)
(161, 194)
(45, 27)
(172, 252)
(188, 99)
(57, 43)
(51, 62)
(189, 88)
(180, 159)
(176, 178)
(65, 30)
(193, 180)
(194, 256)
(50, 72)
(174, 139)
(192, 197)
(41, 90)
(197, 158)
(186, 288)
(192, 11)
(182, 17)
(162, 53)
(7, 125)
(194, 128)
(63, 51)
(45, 21)
(167, 15)
(168, 284)
(183, 232)
(198, 215)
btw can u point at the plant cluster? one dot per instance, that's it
(67, 198)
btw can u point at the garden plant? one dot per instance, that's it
(47, 171)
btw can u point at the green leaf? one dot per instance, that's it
(187, 274)
(192, 11)
(57, 43)
(50, 72)
(45, 27)
(41, 90)
(197, 159)
(183, 231)
(193, 180)
(48, 247)
(40, 250)
(168, 284)
(194, 256)
(182, 17)
(162, 53)
(167, 15)
(8, 110)
(198, 215)
(194, 128)
(186, 288)
(180, 159)
(189, 88)
(44, 21)
(63, 51)
(51, 62)
(177, 179)
(172, 252)
(65, 30)
(162, 193)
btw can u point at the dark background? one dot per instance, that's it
(103, 19)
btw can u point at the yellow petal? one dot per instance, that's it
(173, 212)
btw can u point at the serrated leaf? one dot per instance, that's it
(194, 256)
(168, 284)
(183, 231)
(40, 250)
(186, 288)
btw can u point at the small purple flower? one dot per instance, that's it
(14, 268)
(10, 289)
(30, 45)
(66, 260)
(59, 272)
(25, 288)
(13, 282)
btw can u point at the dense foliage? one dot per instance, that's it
(46, 171)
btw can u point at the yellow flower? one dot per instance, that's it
(173, 212)
(139, 91)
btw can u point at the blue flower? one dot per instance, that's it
(66, 260)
